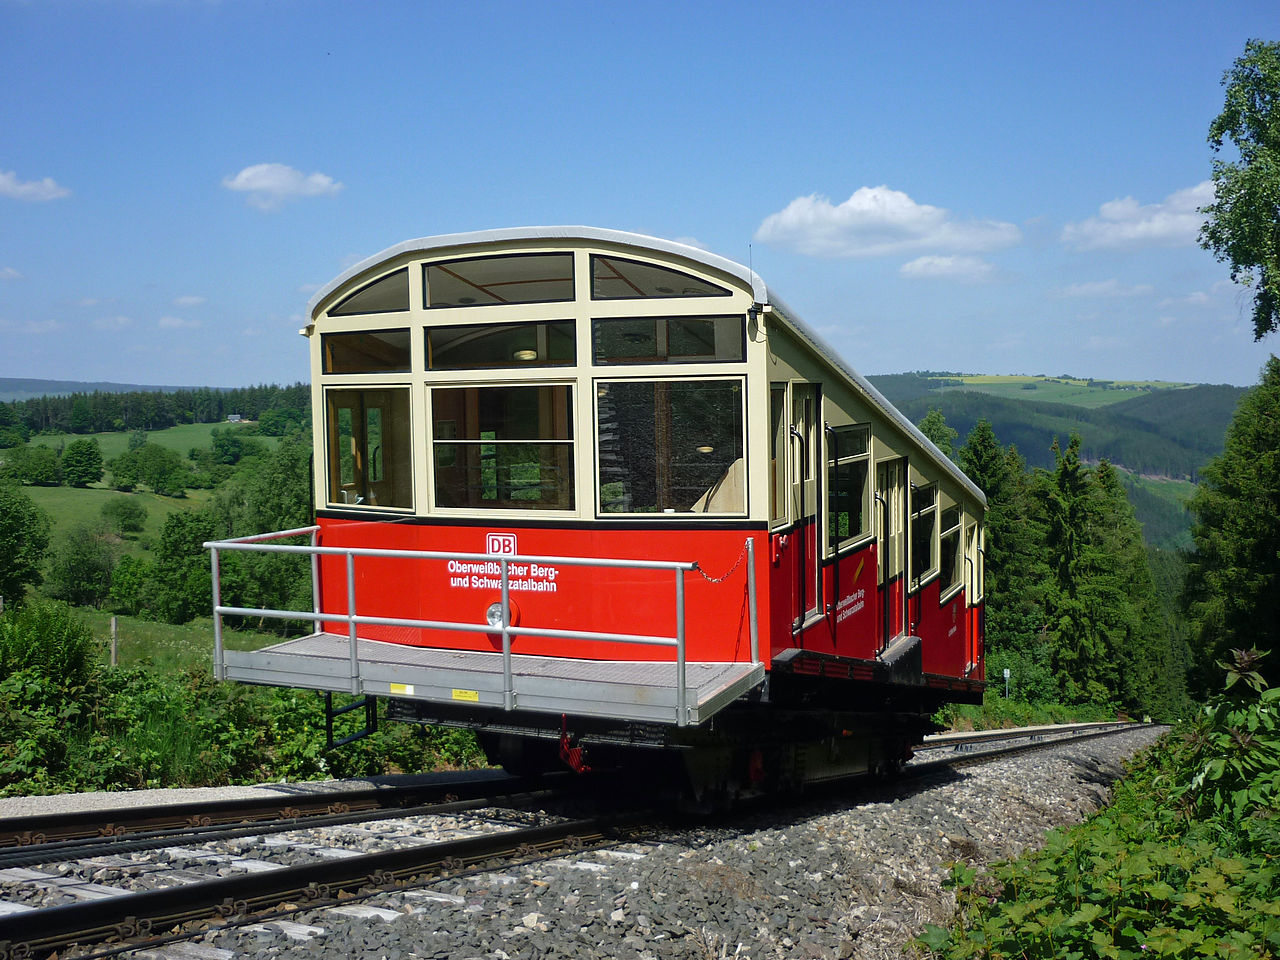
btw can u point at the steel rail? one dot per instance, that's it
(60, 851)
(45, 932)
(1039, 740)
(54, 827)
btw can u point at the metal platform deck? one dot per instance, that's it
(627, 690)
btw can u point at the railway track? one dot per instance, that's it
(952, 749)
(108, 920)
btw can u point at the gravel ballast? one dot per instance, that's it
(856, 876)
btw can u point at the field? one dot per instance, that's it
(182, 438)
(68, 506)
(1081, 393)
(164, 646)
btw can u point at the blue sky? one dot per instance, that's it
(986, 187)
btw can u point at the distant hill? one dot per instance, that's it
(14, 388)
(1161, 432)
(1159, 435)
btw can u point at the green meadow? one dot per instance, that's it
(69, 506)
(1082, 393)
(182, 438)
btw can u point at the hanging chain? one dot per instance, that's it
(736, 564)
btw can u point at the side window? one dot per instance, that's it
(670, 446)
(949, 543)
(780, 451)
(924, 522)
(503, 447)
(369, 453)
(848, 489)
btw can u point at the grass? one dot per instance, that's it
(69, 506)
(181, 438)
(1081, 393)
(166, 647)
(1177, 492)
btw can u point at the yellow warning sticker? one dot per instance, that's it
(405, 688)
(471, 696)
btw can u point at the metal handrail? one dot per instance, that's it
(260, 543)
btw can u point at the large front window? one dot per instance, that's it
(369, 453)
(503, 447)
(671, 446)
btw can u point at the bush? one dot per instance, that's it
(24, 538)
(1184, 862)
(125, 514)
(82, 564)
(48, 638)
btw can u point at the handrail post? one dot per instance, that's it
(751, 600)
(508, 682)
(682, 715)
(316, 625)
(351, 621)
(219, 664)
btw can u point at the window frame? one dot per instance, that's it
(597, 483)
(330, 336)
(723, 291)
(667, 320)
(408, 297)
(333, 456)
(506, 509)
(854, 541)
(947, 590)
(426, 265)
(513, 364)
(918, 582)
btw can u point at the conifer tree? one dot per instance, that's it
(1233, 583)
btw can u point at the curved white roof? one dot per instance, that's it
(763, 295)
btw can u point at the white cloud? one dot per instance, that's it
(1174, 222)
(35, 191)
(269, 185)
(1105, 288)
(188, 301)
(112, 323)
(1105, 344)
(876, 221)
(32, 327)
(178, 323)
(1197, 299)
(967, 269)
(8, 273)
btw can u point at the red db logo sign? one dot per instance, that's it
(500, 544)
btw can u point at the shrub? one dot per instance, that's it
(48, 638)
(125, 514)
(1184, 862)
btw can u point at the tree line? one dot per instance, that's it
(86, 564)
(274, 407)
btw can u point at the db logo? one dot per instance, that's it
(500, 544)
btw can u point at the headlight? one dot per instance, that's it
(494, 614)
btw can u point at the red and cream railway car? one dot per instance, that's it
(601, 495)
